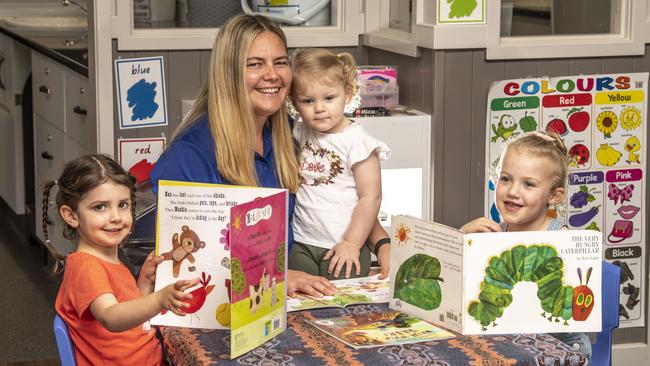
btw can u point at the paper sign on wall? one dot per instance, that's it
(461, 11)
(141, 97)
(138, 156)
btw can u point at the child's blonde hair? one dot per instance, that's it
(336, 69)
(543, 144)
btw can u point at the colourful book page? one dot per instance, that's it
(191, 234)
(383, 328)
(362, 290)
(532, 282)
(258, 249)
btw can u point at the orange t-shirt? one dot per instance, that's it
(86, 277)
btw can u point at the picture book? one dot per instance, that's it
(379, 329)
(362, 290)
(497, 283)
(234, 239)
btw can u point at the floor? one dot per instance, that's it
(27, 301)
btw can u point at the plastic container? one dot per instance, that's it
(383, 99)
(306, 13)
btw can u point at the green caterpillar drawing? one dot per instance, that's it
(535, 263)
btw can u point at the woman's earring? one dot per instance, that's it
(552, 211)
(291, 109)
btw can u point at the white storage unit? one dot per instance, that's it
(62, 132)
(407, 177)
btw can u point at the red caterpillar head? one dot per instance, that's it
(583, 298)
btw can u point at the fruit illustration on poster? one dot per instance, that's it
(578, 119)
(558, 126)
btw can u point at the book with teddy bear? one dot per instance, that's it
(233, 239)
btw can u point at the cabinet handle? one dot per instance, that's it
(49, 221)
(45, 89)
(47, 156)
(78, 110)
(2, 61)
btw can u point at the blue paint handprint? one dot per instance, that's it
(141, 99)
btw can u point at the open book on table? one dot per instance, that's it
(362, 290)
(497, 283)
(376, 329)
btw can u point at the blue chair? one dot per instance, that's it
(63, 342)
(601, 350)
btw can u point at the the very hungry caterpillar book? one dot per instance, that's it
(497, 283)
(234, 239)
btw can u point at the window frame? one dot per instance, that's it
(350, 21)
(629, 42)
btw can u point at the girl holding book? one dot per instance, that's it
(106, 310)
(532, 177)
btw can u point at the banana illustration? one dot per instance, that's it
(607, 155)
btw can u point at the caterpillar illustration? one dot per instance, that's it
(535, 263)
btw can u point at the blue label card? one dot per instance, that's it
(140, 85)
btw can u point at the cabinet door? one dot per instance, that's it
(47, 83)
(78, 125)
(6, 115)
(49, 153)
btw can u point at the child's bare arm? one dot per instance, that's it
(147, 277)
(367, 177)
(121, 316)
(480, 225)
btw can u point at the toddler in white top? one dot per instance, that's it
(340, 191)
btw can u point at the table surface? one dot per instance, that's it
(302, 344)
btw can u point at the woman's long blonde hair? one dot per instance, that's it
(230, 113)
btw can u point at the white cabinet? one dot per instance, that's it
(14, 70)
(62, 132)
(407, 176)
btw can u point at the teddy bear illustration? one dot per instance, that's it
(182, 248)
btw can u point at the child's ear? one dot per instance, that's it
(69, 216)
(557, 196)
(348, 95)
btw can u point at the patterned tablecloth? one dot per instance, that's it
(302, 344)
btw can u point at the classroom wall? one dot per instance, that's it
(452, 85)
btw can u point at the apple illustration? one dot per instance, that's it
(558, 126)
(578, 119)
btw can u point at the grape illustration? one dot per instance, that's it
(582, 197)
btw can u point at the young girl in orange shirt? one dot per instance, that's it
(106, 310)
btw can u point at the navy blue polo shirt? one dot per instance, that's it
(191, 158)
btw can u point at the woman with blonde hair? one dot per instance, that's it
(238, 131)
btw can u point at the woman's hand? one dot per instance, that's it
(480, 225)
(147, 277)
(316, 286)
(343, 254)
